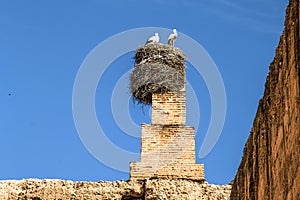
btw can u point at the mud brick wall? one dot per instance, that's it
(35, 189)
(270, 167)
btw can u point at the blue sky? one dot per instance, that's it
(43, 44)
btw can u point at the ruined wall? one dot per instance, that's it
(34, 189)
(270, 167)
(167, 151)
(168, 145)
(169, 108)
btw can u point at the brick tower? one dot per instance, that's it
(168, 145)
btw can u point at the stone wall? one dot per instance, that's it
(35, 189)
(270, 167)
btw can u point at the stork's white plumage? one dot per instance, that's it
(153, 39)
(172, 37)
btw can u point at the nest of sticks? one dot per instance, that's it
(159, 68)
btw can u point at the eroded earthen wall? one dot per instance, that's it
(270, 167)
(35, 189)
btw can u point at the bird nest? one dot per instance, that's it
(158, 68)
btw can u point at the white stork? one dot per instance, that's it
(153, 39)
(172, 37)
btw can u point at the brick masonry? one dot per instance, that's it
(169, 108)
(168, 145)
